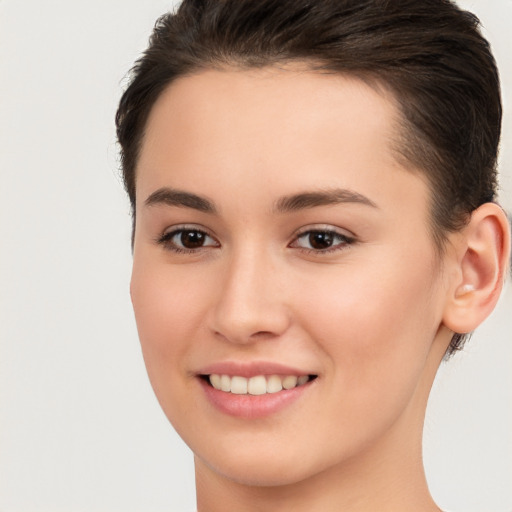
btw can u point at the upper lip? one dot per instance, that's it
(251, 369)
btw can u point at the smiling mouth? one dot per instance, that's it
(257, 385)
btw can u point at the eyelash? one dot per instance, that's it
(343, 240)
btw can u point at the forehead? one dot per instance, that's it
(272, 129)
(263, 103)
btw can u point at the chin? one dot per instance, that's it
(261, 464)
(261, 472)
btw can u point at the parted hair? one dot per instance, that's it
(429, 54)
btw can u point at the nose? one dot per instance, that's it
(251, 302)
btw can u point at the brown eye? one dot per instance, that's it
(187, 240)
(320, 239)
(191, 239)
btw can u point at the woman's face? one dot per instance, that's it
(277, 235)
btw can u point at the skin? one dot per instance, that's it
(368, 317)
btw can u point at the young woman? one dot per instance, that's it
(313, 188)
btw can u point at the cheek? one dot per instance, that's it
(168, 311)
(381, 303)
(376, 325)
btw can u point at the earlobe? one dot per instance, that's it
(483, 252)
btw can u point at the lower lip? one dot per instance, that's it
(253, 406)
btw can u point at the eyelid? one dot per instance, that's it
(327, 228)
(184, 227)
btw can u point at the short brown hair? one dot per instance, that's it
(429, 53)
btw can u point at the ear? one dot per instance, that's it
(480, 264)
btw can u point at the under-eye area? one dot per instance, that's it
(257, 385)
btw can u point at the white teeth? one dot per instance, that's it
(302, 380)
(258, 385)
(215, 381)
(238, 385)
(274, 384)
(225, 383)
(290, 382)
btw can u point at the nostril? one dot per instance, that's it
(240, 336)
(263, 334)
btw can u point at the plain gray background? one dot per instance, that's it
(80, 429)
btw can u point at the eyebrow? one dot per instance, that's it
(303, 200)
(328, 197)
(172, 197)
